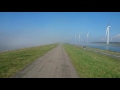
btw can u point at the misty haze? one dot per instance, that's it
(27, 29)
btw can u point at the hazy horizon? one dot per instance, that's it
(26, 29)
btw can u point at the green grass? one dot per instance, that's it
(13, 61)
(93, 65)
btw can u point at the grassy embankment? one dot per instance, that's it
(93, 65)
(13, 61)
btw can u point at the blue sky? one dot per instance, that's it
(23, 29)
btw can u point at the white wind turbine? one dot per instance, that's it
(87, 36)
(79, 37)
(107, 33)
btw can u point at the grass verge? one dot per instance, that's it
(93, 65)
(13, 61)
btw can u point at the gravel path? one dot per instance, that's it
(54, 64)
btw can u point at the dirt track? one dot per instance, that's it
(54, 64)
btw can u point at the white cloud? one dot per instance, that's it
(117, 36)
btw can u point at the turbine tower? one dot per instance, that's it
(87, 36)
(79, 37)
(107, 33)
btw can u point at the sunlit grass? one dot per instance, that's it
(13, 61)
(93, 65)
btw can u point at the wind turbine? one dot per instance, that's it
(79, 37)
(87, 36)
(107, 33)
